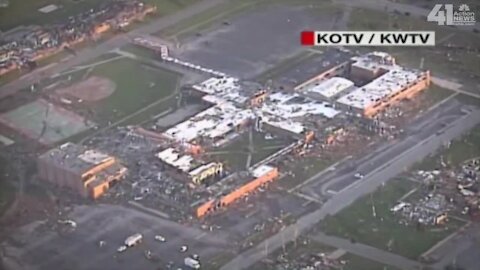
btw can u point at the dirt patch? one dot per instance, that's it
(92, 89)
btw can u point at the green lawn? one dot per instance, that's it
(235, 154)
(355, 262)
(435, 94)
(7, 192)
(357, 222)
(303, 168)
(460, 150)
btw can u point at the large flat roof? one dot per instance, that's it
(226, 89)
(287, 110)
(393, 81)
(174, 158)
(330, 87)
(75, 158)
(210, 123)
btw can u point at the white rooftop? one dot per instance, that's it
(211, 123)
(374, 61)
(331, 87)
(262, 170)
(175, 159)
(289, 106)
(380, 88)
(225, 88)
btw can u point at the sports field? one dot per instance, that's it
(135, 86)
(45, 122)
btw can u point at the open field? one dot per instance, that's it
(26, 12)
(460, 150)
(383, 230)
(435, 94)
(355, 262)
(302, 169)
(6, 190)
(150, 85)
(6, 195)
(236, 153)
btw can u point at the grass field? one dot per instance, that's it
(25, 12)
(6, 195)
(236, 153)
(355, 262)
(434, 94)
(460, 150)
(303, 169)
(7, 192)
(137, 86)
(383, 231)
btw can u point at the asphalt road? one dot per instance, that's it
(418, 130)
(372, 180)
(463, 249)
(102, 48)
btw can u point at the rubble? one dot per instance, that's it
(41, 42)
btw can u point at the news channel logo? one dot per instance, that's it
(447, 14)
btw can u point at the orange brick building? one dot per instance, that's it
(261, 175)
(90, 173)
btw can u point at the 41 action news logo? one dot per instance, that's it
(446, 15)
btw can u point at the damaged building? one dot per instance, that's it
(88, 172)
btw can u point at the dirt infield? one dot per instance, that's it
(92, 89)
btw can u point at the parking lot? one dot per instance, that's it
(79, 248)
(237, 50)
